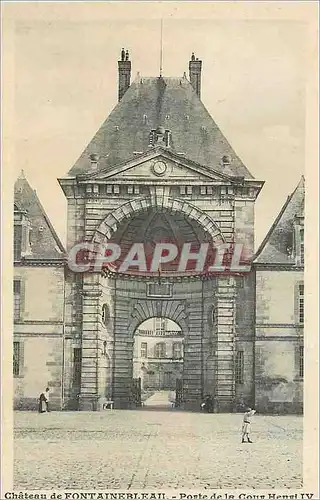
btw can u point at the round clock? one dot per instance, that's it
(159, 168)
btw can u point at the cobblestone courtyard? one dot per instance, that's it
(153, 449)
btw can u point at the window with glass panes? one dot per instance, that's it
(16, 299)
(16, 359)
(301, 361)
(143, 349)
(160, 350)
(239, 368)
(177, 351)
(301, 303)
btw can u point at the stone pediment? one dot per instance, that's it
(159, 165)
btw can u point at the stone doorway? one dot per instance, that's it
(115, 303)
(158, 362)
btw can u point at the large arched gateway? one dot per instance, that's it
(159, 171)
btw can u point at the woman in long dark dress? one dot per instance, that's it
(42, 403)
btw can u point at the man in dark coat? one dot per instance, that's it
(44, 401)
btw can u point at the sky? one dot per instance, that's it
(64, 85)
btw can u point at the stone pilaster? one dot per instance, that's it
(122, 354)
(193, 371)
(89, 393)
(225, 318)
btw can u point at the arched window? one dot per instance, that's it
(212, 316)
(104, 350)
(105, 314)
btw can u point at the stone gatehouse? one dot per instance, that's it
(159, 169)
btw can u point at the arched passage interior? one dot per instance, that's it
(158, 361)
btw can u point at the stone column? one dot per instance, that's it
(225, 317)
(89, 393)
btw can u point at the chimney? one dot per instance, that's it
(124, 68)
(195, 74)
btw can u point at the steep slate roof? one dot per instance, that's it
(45, 244)
(273, 249)
(168, 102)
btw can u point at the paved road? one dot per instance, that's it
(152, 450)
(159, 399)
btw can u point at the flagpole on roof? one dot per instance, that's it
(161, 46)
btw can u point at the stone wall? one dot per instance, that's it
(47, 305)
(279, 337)
(244, 338)
(42, 367)
(40, 334)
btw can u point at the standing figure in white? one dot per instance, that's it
(246, 425)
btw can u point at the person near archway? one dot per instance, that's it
(44, 401)
(246, 425)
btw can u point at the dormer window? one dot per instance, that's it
(226, 160)
(17, 242)
(21, 236)
(167, 138)
(152, 137)
(302, 246)
(299, 241)
(160, 137)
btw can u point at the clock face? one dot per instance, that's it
(159, 168)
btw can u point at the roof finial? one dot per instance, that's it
(161, 48)
(22, 174)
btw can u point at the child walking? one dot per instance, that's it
(246, 425)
